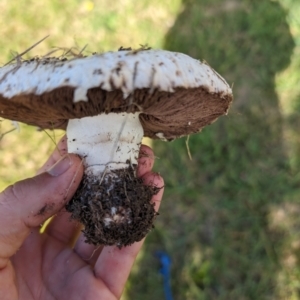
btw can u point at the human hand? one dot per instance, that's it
(46, 266)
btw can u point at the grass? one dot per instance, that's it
(229, 220)
(230, 216)
(103, 25)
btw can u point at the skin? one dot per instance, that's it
(58, 264)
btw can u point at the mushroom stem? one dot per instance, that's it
(106, 142)
(113, 205)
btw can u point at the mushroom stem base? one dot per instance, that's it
(115, 209)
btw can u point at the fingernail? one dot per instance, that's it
(60, 166)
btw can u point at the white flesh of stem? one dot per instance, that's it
(106, 141)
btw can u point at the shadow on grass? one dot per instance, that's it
(215, 218)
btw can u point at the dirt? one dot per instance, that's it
(48, 207)
(115, 209)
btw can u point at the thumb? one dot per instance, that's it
(30, 202)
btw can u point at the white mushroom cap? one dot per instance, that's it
(48, 92)
(124, 70)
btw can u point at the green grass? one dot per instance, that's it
(22, 152)
(230, 217)
(103, 25)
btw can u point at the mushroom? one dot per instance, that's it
(107, 103)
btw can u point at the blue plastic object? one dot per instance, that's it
(165, 261)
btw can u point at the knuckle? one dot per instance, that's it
(14, 194)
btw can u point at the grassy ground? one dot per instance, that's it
(230, 216)
(229, 219)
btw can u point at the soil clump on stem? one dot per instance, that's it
(114, 208)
